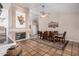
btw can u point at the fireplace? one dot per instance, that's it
(20, 35)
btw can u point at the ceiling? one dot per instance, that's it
(49, 7)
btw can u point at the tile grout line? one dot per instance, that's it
(24, 48)
(55, 52)
(78, 49)
(62, 52)
(47, 51)
(72, 48)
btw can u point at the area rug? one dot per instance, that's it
(57, 45)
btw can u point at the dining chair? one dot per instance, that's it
(45, 35)
(40, 34)
(51, 36)
(56, 36)
(62, 37)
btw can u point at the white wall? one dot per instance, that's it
(68, 21)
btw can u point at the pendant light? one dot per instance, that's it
(43, 13)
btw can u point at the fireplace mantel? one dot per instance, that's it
(14, 31)
(19, 30)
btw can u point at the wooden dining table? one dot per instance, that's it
(51, 35)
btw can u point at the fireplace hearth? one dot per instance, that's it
(20, 35)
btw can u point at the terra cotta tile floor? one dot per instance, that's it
(33, 48)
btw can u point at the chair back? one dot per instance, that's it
(40, 33)
(64, 34)
(51, 34)
(45, 33)
(55, 32)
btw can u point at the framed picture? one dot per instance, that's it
(20, 19)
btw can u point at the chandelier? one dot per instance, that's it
(43, 13)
